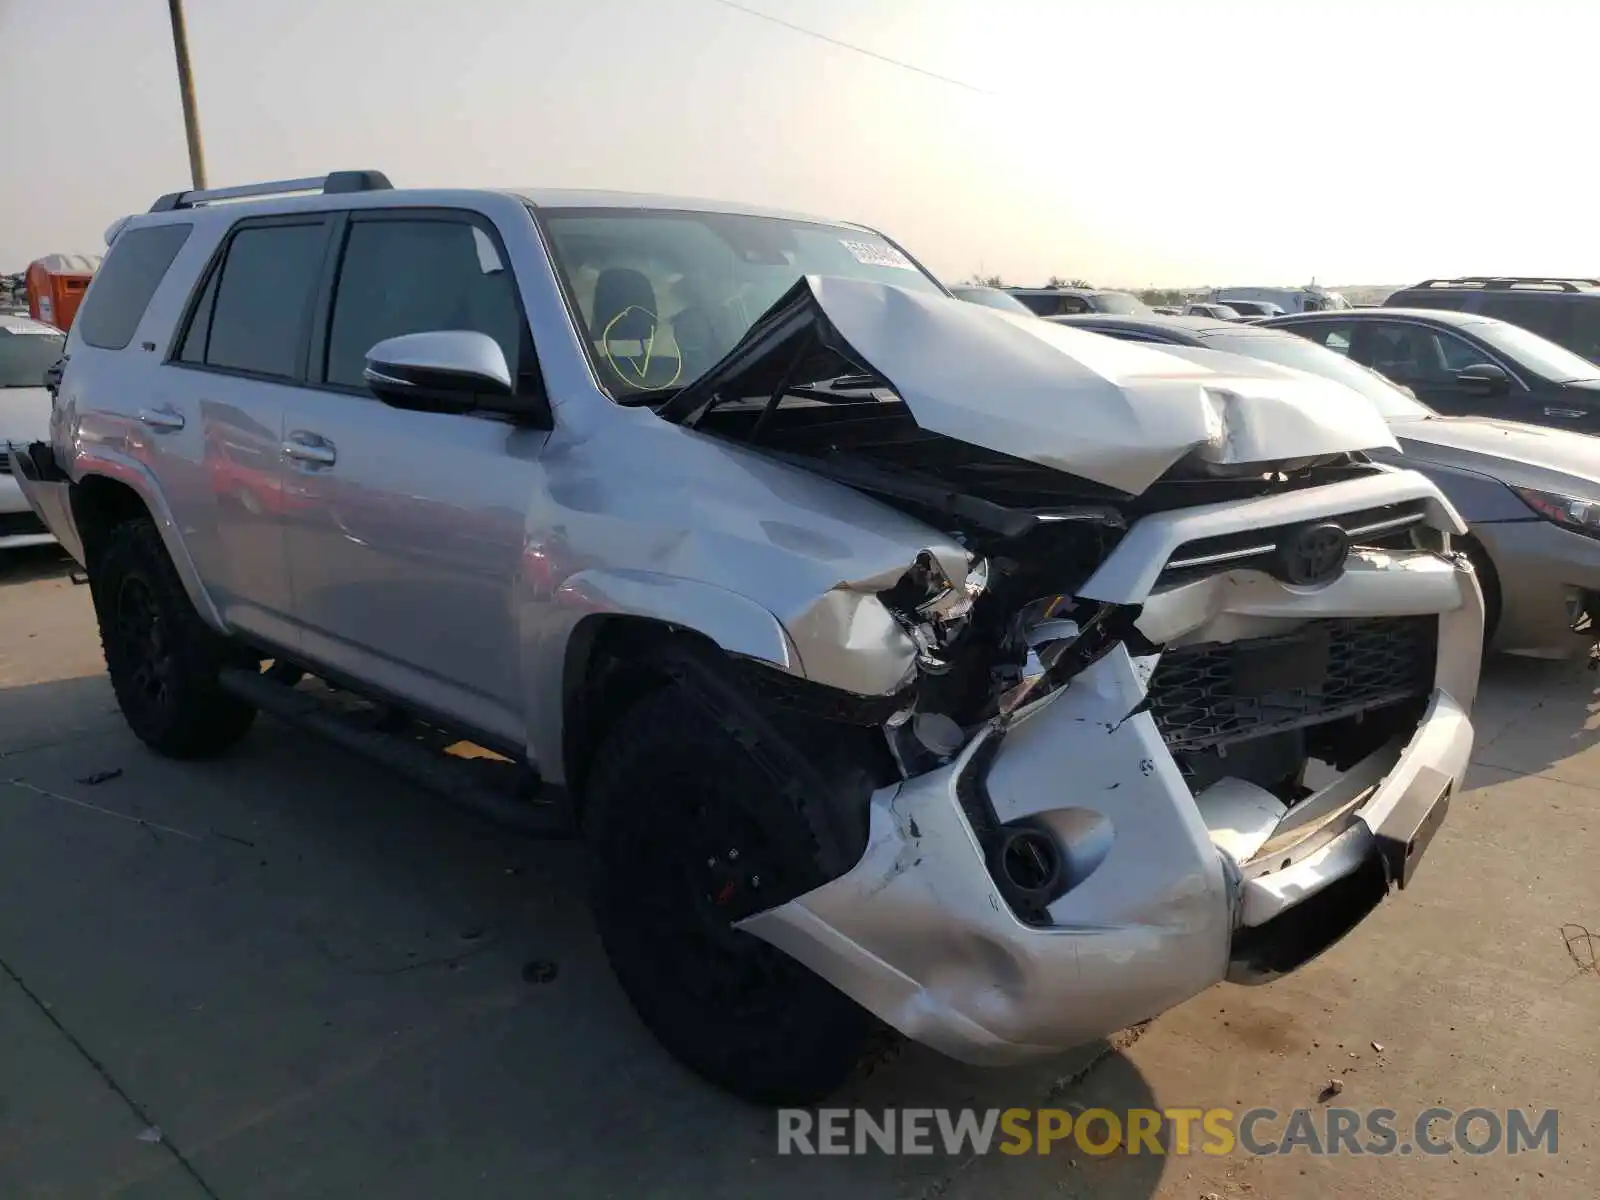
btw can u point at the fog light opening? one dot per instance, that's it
(1026, 864)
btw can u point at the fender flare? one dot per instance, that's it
(558, 648)
(734, 622)
(110, 464)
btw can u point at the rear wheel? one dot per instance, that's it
(689, 830)
(162, 659)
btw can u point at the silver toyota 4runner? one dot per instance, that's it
(909, 665)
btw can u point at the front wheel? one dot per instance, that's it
(688, 832)
(162, 658)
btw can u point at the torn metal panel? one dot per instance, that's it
(1114, 413)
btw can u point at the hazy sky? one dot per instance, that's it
(1127, 141)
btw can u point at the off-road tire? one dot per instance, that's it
(676, 777)
(162, 658)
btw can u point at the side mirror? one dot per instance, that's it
(448, 370)
(1484, 379)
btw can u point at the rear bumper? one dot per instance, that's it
(1168, 892)
(45, 489)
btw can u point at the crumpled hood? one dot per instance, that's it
(1116, 413)
(1526, 455)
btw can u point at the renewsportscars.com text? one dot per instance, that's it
(1168, 1131)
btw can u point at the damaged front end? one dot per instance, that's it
(1215, 781)
(1169, 711)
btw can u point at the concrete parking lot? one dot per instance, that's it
(289, 974)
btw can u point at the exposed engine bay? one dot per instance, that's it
(1011, 625)
(1243, 579)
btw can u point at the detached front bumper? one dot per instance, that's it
(1169, 889)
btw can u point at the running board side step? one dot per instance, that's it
(514, 797)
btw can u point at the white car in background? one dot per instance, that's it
(27, 349)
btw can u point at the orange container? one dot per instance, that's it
(56, 284)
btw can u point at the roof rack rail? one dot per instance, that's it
(1505, 282)
(331, 184)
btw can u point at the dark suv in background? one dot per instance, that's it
(1070, 301)
(1567, 311)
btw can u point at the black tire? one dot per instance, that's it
(285, 673)
(1488, 583)
(676, 786)
(162, 659)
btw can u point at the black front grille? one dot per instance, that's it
(1257, 549)
(1208, 696)
(18, 524)
(5, 461)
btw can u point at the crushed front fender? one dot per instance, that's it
(1168, 888)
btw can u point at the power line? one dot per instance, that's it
(832, 41)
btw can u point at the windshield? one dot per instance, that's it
(1537, 354)
(24, 355)
(1289, 350)
(992, 298)
(661, 295)
(1118, 302)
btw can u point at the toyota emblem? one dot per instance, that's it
(1313, 554)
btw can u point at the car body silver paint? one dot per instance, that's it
(518, 534)
(1004, 382)
(1553, 460)
(1475, 461)
(917, 932)
(462, 351)
(504, 545)
(1129, 572)
(1539, 568)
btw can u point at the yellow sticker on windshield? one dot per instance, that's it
(633, 365)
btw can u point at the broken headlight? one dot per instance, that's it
(935, 610)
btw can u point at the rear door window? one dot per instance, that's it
(133, 268)
(1414, 354)
(1332, 335)
(1584, 335)
(258, 318)
(416, 275)
(1546, 315)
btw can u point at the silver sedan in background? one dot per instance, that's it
(27, 348)
(1530, 494)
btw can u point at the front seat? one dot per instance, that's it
(625, 330)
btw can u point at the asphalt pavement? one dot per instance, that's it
(290, 974)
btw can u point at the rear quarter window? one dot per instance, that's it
(1445, 301)
(1547, 315)
(133, 268)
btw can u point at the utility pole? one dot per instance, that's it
(191, 120)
